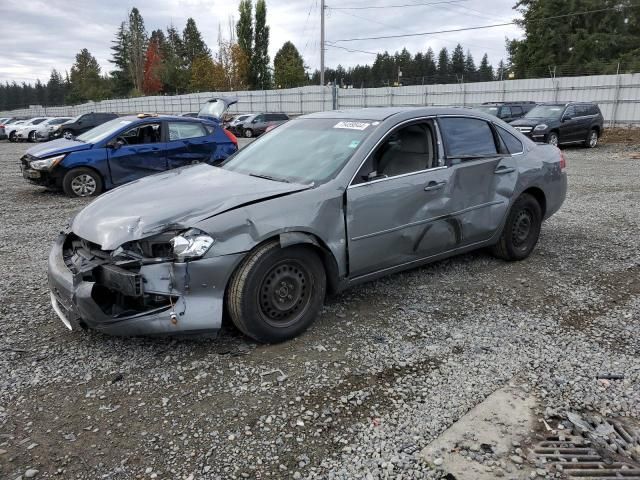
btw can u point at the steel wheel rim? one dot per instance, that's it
(553, 140)
(593, 139)
(248, 134)
(285, 293)
(83, 185)
(522, 227)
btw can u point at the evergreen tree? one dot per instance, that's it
(41, 93)
(470, 73)
(289, 67)
(485, 71)
(192, 43)
(244, 28)
(121, 75)
(444, 67)
(457, 62)
(260, 59)
(56, 88)
(86, 83)
(174, 75)
(501, 71)
(137, 40)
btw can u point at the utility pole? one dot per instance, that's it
(322, 8)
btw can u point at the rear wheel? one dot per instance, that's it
(276, 293)
(521, 231)
(12, 136)
(32, 136)
(592, 139)
(248, 133)
(553, 139)
(82, 182)
(67, 134)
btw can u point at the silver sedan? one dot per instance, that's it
(323, 202)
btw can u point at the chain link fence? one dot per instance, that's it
(618, 96)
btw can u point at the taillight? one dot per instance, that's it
(231, 136)
(563, 160)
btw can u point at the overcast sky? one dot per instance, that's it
(38, 35)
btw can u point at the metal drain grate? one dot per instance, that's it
(594, 448)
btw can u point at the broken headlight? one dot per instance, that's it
(47, 163)
(191, 244)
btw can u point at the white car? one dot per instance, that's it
(27, 131)
(44, 131)
(10, 129)
(5, 122)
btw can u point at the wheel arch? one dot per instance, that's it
(540, 197)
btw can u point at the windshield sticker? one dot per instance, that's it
(354, 143)
(352, 125)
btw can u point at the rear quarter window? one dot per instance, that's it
(513, 144)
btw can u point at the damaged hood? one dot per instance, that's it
(56, 147)
(174, 199)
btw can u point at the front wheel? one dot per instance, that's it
(276, 293)
(521, 231)
(12, 137)
(552, 139)
(32, 137)
(68, 134)
(592, 139)
(82, 182)
(248, 133)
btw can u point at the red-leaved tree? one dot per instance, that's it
(152, 83)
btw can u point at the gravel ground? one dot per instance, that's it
(387, 367)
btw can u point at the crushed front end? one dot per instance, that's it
(140, 288)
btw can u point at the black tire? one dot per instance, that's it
(82, 182)
(248, 133)
(12, 136)
(521, 231)
(553, 139)
(276, 293)
(67, 134)
(32, 136)
(592, 139)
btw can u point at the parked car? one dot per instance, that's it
(563, 123)
(10, 129)
(123, 150)
(257, 124)
(82, 123)
(507, 111)
(44, 131)
(4, 122)
(323, 202)
(235, 125)
(22, 132)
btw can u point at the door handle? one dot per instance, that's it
(434, 186)
(503, 170)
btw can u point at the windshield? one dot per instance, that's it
(302, 151)
(103, 131)
(546, 111)
(489, 110)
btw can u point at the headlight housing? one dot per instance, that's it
(191, 244)
(542, 126)
(47, 163)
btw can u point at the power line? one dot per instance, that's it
(352, 50)
(397, 6)
(482, 27)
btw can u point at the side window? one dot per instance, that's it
(269, 117)
(517, 111)
(511, 141)
(142, 134)
(467, 137)
(505, 112)
(184, 130)
(594, 110)
(406, 150)
(570, 112)
(583, 110)
(259, 118)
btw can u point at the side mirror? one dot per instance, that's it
(115, 144)
(372, 176)
(566, 117)
(255, 120)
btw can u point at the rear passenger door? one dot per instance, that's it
(188, 143)
(569, 125)
(483, 177)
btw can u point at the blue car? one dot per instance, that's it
(129, 148)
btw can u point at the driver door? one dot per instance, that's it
(139, 152)
(398, 203)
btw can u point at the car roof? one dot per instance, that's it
(382, 113)
(135, 118)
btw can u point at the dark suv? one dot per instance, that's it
(82, 123)
(256, 125)
(563, 123)
(506, 111)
